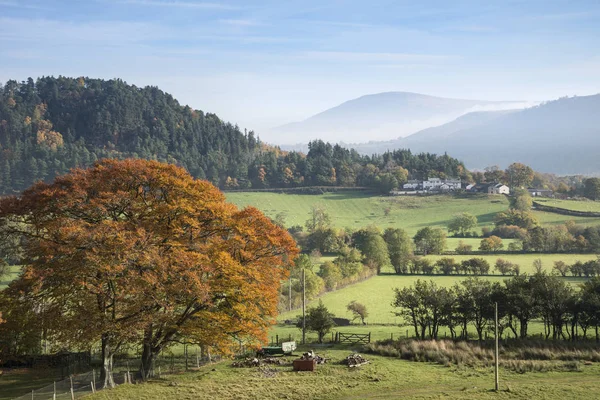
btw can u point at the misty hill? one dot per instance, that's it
(51, 125)
(561, 136)
(427, 136)
(382, 116)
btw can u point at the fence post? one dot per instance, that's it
(93, 388)
(72, 394)
(277, 340)
(392, 336)
(54, 392)
(197, 359)
(159, 371)
(32, 395)
(369, 337)
(185, 352)
(94, 377)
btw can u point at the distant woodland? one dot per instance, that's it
(51, 125)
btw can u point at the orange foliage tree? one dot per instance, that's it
(138, 251)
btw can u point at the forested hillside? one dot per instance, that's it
(51, 125)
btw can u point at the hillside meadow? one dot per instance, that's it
(382, 378)
(359, 209)
(574, 205)
(377, 294)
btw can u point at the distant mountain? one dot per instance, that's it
(382, 116)
(425, 137)
(561, 136)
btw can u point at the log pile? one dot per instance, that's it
(355, 360)
(255, 362)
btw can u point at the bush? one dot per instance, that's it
(463, 248)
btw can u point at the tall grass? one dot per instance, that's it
(519, 356)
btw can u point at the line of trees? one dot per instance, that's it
(564, 312)
(51, 125)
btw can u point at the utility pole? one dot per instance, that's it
(290, 294)
(497, 384)
(303, 306)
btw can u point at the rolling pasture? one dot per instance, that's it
(358, 209)
(377, 294)
(574, 205)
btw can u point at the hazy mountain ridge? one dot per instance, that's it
(561, 136)
(382, 116)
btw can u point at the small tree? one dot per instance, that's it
(358, 310)
(561, 267)
(462, 223)
(430, 240)
(446, 265)
(318, 319)
(492, 243)
(463, 248)
(537, 265)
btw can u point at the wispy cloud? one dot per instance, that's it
(114, 33)
(182, 4)
(240, 22)
(348, 56)
(21, 4)
(566, 16)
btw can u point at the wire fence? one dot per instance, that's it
(77, 386)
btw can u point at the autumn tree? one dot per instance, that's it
(492, 243)
(519, 175)
(139, 252)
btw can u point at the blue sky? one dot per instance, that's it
(265, 63)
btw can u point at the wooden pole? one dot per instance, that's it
(496, 381)
(185, 351)
(72, 394)
(303, 306)
(290, 294)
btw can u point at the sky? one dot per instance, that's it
(261, 64)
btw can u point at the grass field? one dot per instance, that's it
(382, 378)
(525, 261)
(575, 205)
(377, 294)
(356, 209)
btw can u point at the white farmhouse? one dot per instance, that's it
(498, 188)
(441, 184)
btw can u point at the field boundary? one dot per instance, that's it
(304, 190)
(564, 211)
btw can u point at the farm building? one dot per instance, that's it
(540, 192)
(433, 184)
(489, 188)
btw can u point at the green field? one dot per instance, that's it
(377, 294)
(357, 209)
(525, 261)
(575, 205)
(382, 378)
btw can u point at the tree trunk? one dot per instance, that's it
(106, 374)
(149, 355)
